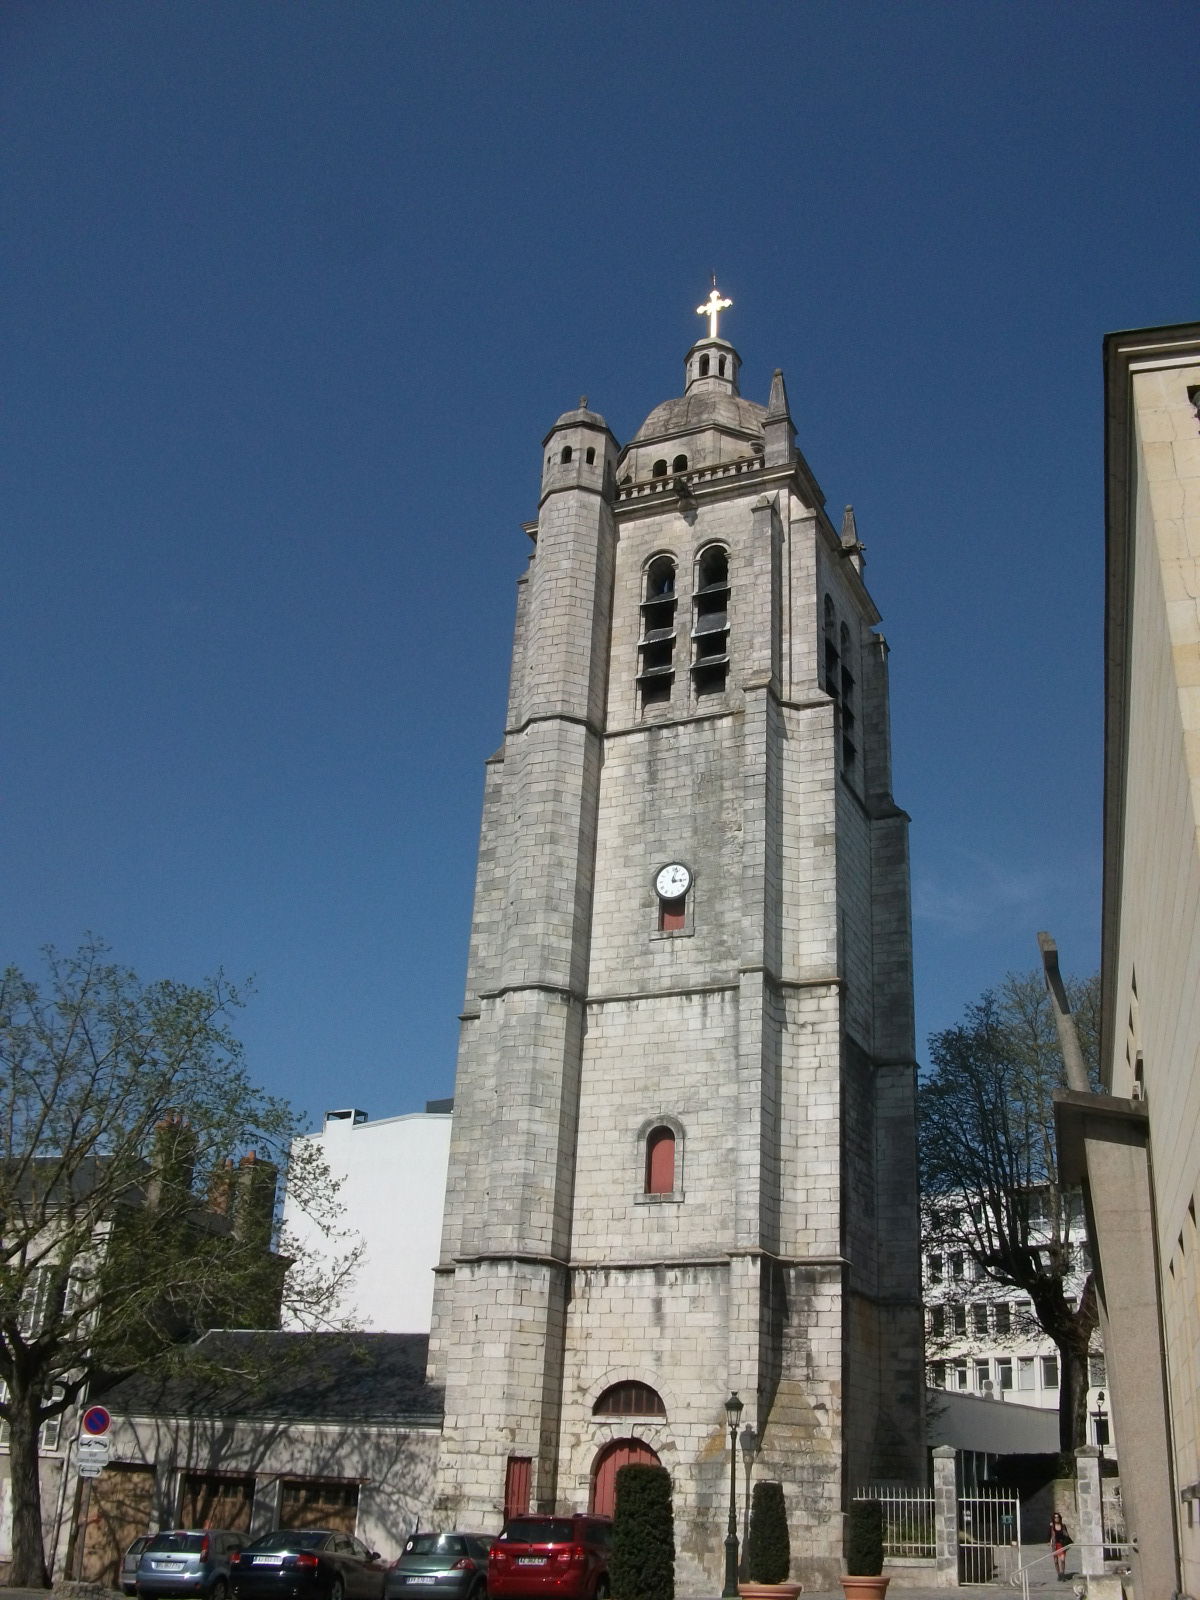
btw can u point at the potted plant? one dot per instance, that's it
(641, 1563)
(768, 1549)
(864, 1578)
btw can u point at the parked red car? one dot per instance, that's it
(561, 1558)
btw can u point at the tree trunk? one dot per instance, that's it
(1072, 1397)
(28, 1569)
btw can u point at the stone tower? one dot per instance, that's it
(683, 1157)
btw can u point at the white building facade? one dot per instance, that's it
(391, 1175)
(983, 1339)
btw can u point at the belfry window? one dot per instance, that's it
(832, 660)
(704, 366)
(566, 453)
(849, 720)
(710, 621)
(659, 469)
(656, 647)
(679, 464)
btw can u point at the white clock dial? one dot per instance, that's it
(673, 881)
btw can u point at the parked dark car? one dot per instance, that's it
(129, 1562)
(452, 1566)
(188, 1561)
(565, 1558)
(312, 1563)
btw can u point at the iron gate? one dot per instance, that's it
(989, 1526)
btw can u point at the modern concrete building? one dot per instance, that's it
(392, 1182)
(1137, 1146)
(984, 1340)
(683, 1157)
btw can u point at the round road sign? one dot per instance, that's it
(96, 1420)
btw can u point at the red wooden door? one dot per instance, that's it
(620, 1453)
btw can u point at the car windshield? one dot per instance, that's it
(291, 1539)
(539, 1530)
(188, 1542)
(434, 1544)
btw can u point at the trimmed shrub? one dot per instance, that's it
(768, 1549)
(642, 1563)
(864, 1539)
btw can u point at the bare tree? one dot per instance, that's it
(127, 1228)
(989, 1180)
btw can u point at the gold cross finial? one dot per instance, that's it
(712, 308)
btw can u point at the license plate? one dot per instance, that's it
(420, 1580)
(268, 1561)
(168, 1566)
(531, 1561)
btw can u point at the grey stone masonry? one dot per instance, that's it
(695, 680)
(1089, 1511)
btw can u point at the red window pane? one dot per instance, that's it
(660, 1162)
(672, 914)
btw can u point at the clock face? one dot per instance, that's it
(673, 881)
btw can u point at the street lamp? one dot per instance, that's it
(733, 1411)
(1100, 1418)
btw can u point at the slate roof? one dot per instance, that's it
(291, 1377)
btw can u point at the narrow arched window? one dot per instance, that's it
(849, 703)
(629, 1399)
(656, 647)
(566, 453)
(589, 455)
(710, 621)
(659, 469)
(721, 366)
(832, 659)
(704, 366)
(660, 1161)
(679, 464)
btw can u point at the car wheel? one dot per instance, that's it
(602, 1589)
(219, 1589)
(479, 1592)
(337, 1590)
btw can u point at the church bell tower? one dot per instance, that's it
(684, 1147)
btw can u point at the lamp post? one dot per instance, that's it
(749, 1443)
(1100, 1418)
(733, 1411)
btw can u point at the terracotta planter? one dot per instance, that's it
(769, 1591)
(861, 1588)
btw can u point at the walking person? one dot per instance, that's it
(1059, 1540)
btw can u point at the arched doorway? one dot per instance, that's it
(615, 1455)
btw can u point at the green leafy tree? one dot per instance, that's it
(768, 1548)
(127, 1228)
(989, 1177)
(642, 1561)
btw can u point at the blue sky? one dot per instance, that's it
(292, 292)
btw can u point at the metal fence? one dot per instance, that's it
(1112, 1514)
(909, 1526)
(988, 1528)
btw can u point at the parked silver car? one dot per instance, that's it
(129, 1562)
(188, 1561)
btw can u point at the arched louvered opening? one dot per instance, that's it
(656, 646)
(710, 621)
